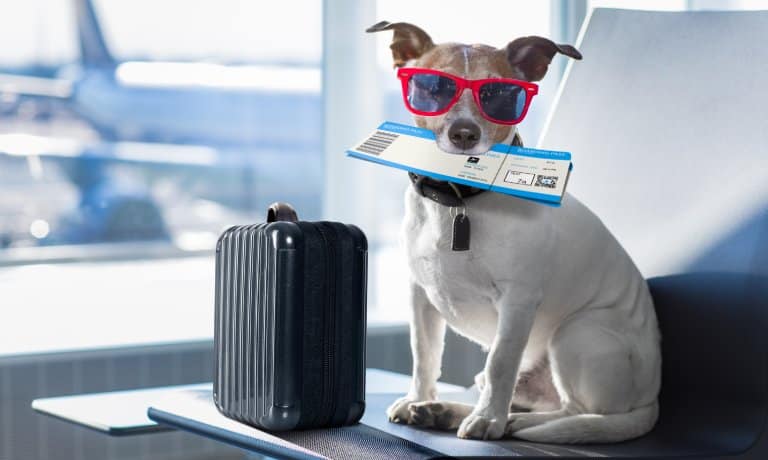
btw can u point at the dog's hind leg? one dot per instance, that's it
(443, 415)
(607, 387)
(534, 390)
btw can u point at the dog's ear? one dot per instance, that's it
(408, 41)
(532, 55)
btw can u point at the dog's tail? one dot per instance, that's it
(593, 428)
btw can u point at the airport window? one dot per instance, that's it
(129, 141)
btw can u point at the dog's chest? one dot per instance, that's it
(451, 279)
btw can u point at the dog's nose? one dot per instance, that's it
(464, 134)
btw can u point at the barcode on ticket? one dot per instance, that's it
(377, 143)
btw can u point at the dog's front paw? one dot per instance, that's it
(480, 426)
(399, 411)
(435, 414)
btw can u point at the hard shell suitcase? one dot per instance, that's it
(290, 323)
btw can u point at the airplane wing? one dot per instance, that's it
(26, 145)
(148, 154)
(23, 85)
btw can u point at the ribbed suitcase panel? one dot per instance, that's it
(275, 323)
(241, 254)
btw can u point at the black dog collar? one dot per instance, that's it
(448, 193)
(442, 192)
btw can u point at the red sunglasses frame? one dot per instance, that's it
(405, 74)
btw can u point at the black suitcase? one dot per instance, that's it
(290, 323)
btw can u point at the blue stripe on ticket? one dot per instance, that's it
(537, 153)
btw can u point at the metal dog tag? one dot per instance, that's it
(460, 240)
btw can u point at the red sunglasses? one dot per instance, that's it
(432, 92)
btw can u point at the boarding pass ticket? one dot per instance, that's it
(539, 175)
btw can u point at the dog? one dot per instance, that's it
(567, 318)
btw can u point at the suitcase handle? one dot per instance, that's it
(281, 212)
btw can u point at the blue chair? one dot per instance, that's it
(714, 396)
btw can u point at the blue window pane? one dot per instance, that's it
(118, 126)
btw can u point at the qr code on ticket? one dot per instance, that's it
(546, 181)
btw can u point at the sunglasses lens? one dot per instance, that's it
(502, 101)
(430, 93)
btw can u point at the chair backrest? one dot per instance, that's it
(667, 120)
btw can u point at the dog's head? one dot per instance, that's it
(463, 129)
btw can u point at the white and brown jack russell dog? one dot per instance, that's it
(568, 320)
